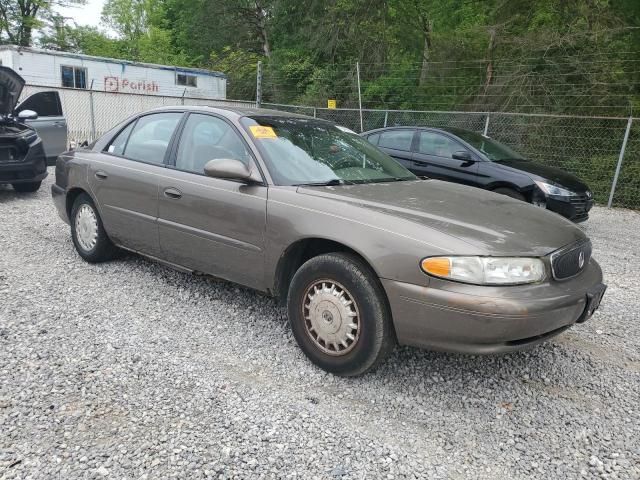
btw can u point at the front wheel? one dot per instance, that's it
(339, 314)
(510, 192)
(26, 187)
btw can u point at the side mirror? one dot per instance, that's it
(464, 155)
(231, 169)
(27, 115)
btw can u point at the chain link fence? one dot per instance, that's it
(589, 147)
(90, 114)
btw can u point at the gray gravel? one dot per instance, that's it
(130, 370)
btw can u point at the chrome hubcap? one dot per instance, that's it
(331, 317)
(86, 227)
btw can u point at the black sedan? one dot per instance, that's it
(470, 158)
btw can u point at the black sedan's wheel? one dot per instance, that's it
(27, 187)
(339, 315)
(510, 192)
(87, 232)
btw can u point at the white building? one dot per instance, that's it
(48, 68)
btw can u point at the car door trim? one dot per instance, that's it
(196, 232)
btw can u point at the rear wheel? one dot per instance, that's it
(27, 187)
(88, 234)
(510, 192)
(339, 314)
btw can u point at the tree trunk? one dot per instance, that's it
(426, 51)
(490, 50)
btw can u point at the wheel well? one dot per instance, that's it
(71, 197)
(525, 192)
(298, 253)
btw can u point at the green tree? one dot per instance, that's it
(19, 18)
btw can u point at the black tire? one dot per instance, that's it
(27, 187)
(510, 192)
(375, 337)
(103, 250)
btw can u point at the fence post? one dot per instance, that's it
(386, 118)
(486, 125)
(359, 97)
(92, 112)
(259, 85)
(620, 158)
(315, 114)
(184, 92)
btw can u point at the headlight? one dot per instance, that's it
(485, 270)
(553, 190)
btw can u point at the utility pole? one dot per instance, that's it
(259, 85)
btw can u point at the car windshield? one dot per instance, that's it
(301, 151)
(495, 151)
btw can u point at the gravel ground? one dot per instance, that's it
(130, 370)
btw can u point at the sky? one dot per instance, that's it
(88, 14)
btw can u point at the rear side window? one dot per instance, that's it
(45, 104)
(150, 137)
(396, 139)
(117, 144)
(373, 139)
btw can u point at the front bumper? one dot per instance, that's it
(575, 208)
(32, 168)
(475, 319)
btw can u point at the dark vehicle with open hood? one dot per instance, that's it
(23, 156)
(470, 158)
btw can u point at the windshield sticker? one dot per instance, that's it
(258, 131)
(345, 129)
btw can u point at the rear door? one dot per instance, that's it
(124, 179)
(396, 143)
(433, 158)
(212, 225)
(51, 124)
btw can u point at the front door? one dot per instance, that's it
(212, 225)
(433, 158)
(51, 124)
(124, 179)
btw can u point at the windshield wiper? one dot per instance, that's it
(328, 183)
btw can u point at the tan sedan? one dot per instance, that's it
(364, 254)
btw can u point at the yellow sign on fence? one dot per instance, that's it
(331, 103)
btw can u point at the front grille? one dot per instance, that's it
(9, 153)
(570, 261)
(581, 205)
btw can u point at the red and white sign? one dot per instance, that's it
(124, 85)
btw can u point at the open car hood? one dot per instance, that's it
(11, 85)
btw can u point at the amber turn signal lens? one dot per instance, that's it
(438, 266)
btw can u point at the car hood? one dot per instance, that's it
(545, 173)
(490, 223)
(11, 85)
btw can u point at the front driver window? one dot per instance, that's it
(437, 145)
(206, 138)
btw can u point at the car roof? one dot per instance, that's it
(233, 111)
(452, 130)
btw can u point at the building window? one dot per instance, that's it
(74, 77)
(186, 80)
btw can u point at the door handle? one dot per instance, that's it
(100, 175)
(172, 193)
(60, 124)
